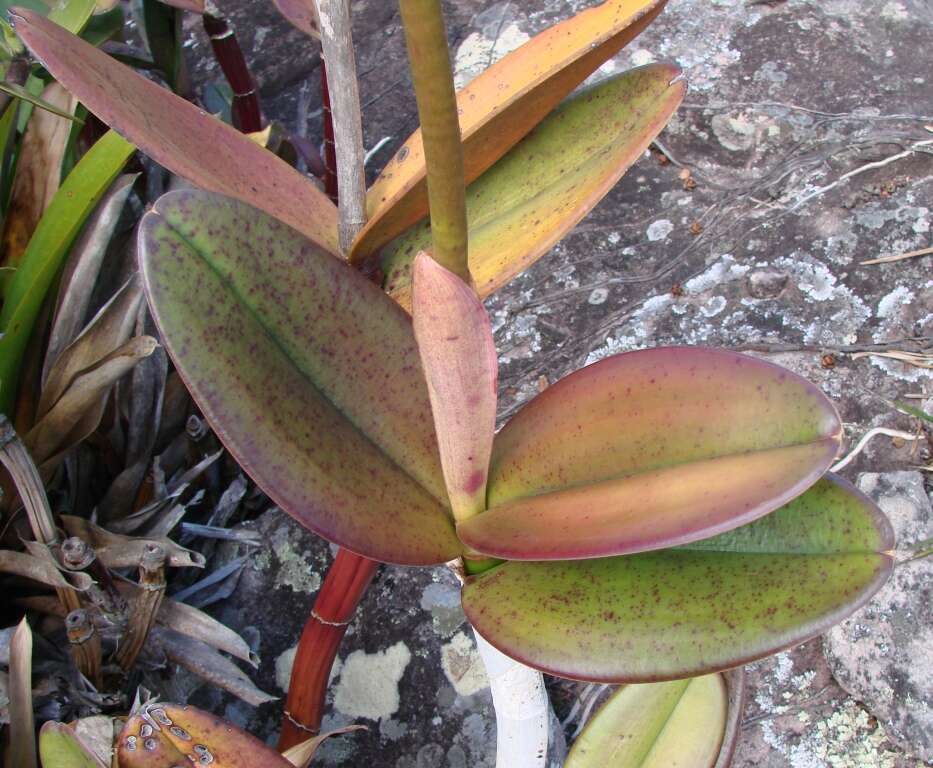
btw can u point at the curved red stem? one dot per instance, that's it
(344, 586)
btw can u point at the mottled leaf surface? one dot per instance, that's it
(709, 606)
(167, 735)
(537, 192)
(177, 134)
(458, 355)
(308, 373)
(502, 105)
(656, 725)
(652, 449)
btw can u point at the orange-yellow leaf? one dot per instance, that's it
(501, 105)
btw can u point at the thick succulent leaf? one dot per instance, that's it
(301, 14)
(458, 355)
(60, 747)
(656, 725)
(652, 449)
(177, 134)
(537, 192)
(308, 373)
(709, 606)
(502, 105)
(168, 735)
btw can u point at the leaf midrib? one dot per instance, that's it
(229, 286)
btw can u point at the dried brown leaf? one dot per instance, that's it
(205, 662)
(81, 271)
(22, 721)
(81, 408)
(38, 172)
(115, 550)
(40, 568)
(301, 754)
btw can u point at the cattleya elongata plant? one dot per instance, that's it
(658, 515)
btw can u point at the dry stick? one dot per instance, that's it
(245, 111)
(337, 44)
(344, 586)
(15, 457)
(900, 256)
(431, 75)
(145, 606)
(85, 645)
(331, 185)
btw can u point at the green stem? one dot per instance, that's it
(432, 78)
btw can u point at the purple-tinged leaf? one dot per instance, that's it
(651, 449)
(709, 606)
(307, 372)
(175, 133)
(459, 360)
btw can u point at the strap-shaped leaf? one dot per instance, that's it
(680, 612)
(652, 449)
(502, 105)
(537, 192)
(175, 133)
(459, 359)
(656, 725)
(308, 373)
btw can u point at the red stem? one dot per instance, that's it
(340, 594)
(330, 149)
(246, 112)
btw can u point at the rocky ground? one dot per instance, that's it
(804, 148)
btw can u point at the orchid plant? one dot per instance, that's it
(660, 514)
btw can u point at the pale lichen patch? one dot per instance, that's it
(463, 665)
(368, 685)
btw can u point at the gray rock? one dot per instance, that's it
(883, 655)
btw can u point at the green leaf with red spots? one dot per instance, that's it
(170, 735)
(535, 194)
(175, 133)
(651, 449)
(308, 373)
(459, 359)
(709, 606)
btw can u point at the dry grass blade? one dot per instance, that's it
(202, 660)
(81, 271)
(42, 569)
(81, 408)
(112, 326)
(918, 359)
(899, 257)
(117, 551)
(22, 722)
(194, 623)
(301, 754)
(38, 172)
(22, 469)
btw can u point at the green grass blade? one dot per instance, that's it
(47, 247)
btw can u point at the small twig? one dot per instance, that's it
(344, 91)
(900, 256)
(866, 438)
